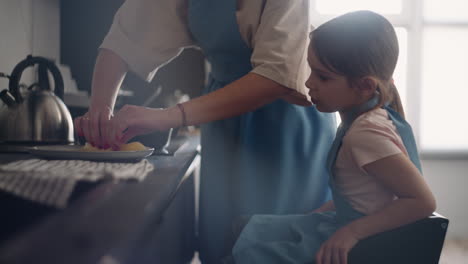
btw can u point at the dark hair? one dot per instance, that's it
(359, 44)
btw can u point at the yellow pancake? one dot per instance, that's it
(133, 146)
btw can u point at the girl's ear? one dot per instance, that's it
(368, 85)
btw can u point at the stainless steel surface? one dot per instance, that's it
(36, 115)
(42, 117)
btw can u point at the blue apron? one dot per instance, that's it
(269, 161)
(297, 238)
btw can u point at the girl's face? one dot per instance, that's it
(329, 91)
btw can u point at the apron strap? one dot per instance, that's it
(345, 212)
(406, 134)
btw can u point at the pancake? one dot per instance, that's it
(132, 146)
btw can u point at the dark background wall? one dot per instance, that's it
(84, 24)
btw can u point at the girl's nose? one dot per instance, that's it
(308, 83)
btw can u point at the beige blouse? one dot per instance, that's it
(147, 34)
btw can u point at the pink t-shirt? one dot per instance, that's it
(371, 137)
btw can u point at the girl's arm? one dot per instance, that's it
(328, 206)
(415, 200)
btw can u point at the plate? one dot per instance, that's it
(74, 152)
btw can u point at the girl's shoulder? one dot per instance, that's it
(372, 136)
(376, 118)
(372, 123)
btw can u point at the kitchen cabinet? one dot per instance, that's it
(152, 221)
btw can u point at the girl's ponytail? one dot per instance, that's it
(388, 95)
(394, 99)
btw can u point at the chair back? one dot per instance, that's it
(418, 242)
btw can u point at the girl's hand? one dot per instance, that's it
(335, 250)
(328, 206)
(92, 124)
(132, 120)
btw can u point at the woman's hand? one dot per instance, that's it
(132, 120)
(93, 125)
(335, 250)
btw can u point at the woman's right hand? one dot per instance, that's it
(93, 124)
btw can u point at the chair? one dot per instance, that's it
(418, 242)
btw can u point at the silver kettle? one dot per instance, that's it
(37, 115)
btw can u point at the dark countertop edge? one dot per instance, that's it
(82, 233)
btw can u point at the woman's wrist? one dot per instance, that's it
(100, 107)
(183, 115)
(176, 116)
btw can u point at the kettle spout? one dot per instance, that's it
(7, 98)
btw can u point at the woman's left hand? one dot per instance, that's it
(335, 250)
(132, 120)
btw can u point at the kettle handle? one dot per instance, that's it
(15, 76)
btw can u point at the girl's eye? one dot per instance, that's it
(323, 78)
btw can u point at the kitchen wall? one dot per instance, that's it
(32, 27)
(27, 27)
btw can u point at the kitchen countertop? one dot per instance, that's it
(101, 218)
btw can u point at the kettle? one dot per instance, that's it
(37, 115)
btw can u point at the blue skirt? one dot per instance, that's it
(270, 239)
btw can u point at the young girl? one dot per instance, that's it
(374, 166)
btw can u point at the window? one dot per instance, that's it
(430, 74)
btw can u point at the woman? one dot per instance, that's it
(256, 132)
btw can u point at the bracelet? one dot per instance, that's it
(184, 117)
